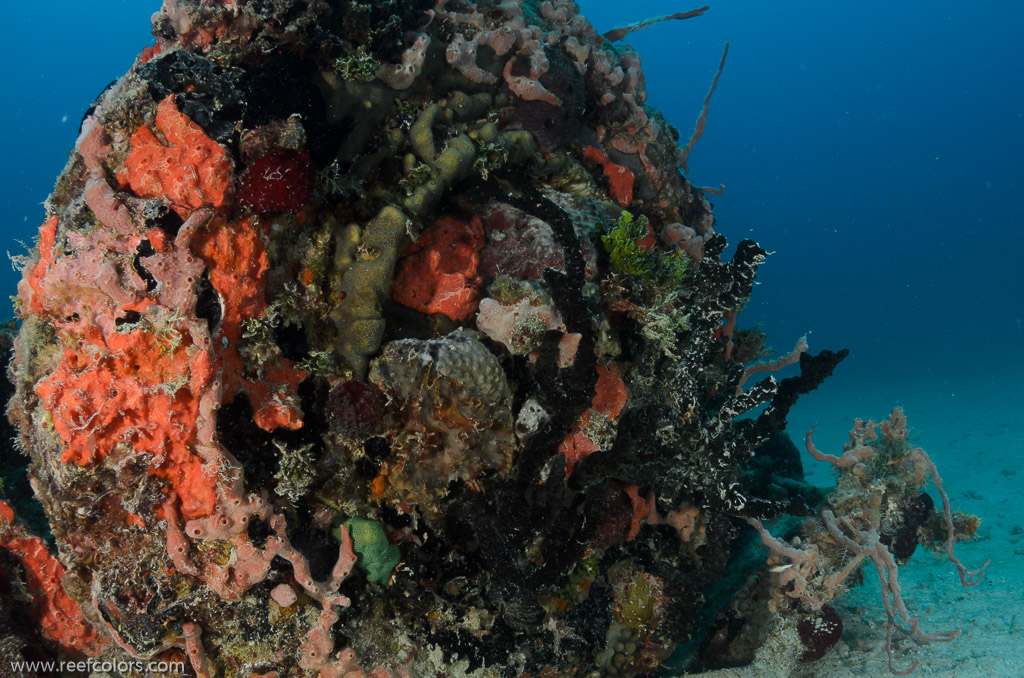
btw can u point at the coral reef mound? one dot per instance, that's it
(388, 339)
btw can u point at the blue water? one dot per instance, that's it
(875, 147)
(55, 58)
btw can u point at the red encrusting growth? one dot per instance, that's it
(355, 409)
(190, 169)
(438, 273)
(577, 446)
(643, 507)
(610, 392)
(58, 615)
(237, 263)
(34, 279)
(99, 399)
(280, 181)
(139, 368)
(610, 396)
(150, 51)
(620, 179)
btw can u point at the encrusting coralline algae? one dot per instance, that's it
(387, 339)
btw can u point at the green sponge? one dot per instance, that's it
(377, 556)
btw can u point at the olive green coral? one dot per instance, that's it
(452, 164)
(365, 261)
(485, 148)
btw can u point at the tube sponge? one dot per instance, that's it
(365, 284)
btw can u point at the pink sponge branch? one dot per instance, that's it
(792, 578)
(859, 532)
(698, 129)
(967, 577)
(773, 365)
(177, 545)
(867, 543)
(100, 198)
(346, 560)
(528, 87)
(402, 75)
(858, 453)
(851, 457)
(461, 54)
(93, 146)
(250, 566)
(194, 649)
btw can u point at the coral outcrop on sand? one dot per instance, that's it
(340, 356)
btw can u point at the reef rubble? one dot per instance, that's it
(388, 339)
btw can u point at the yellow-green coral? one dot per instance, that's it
(452, 164)
(649, 268)
(486, 148)
(643, 603)
(416, 173)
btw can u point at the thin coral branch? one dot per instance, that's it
(967, 577)
(867, 543)
(712, 189)
(773, 365)
(619, 33)
(698, 130)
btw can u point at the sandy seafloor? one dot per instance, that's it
(973, 428)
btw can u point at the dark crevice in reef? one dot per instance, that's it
(127, 318)
(292, 341)
(145, 249)
(257, 450)
(208, 303)
(158, 215)
(14, 464)
(282, 87)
